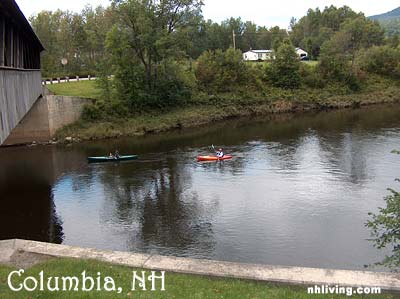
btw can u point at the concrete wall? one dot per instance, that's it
(63, 111)
(34, 126)
(19, 89)
(47, 115)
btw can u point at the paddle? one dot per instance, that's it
(212, 145)
(215, 151)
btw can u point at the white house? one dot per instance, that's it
(301, 53)
(256, 55)
(263, 55)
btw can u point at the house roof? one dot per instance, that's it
(300, 49)
(11, 10)
(261, 51)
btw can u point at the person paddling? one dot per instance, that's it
(220, 153)
(116, 155)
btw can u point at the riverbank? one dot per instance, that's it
(184, 278)
(205, 109)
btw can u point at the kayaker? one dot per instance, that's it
(111, 156)
(220, 153)
(116, 155)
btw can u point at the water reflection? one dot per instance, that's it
(297, 192)
(27, 206)
(155, 197)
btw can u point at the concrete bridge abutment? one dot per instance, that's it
(48, 114)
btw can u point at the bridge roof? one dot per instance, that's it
(10, 9)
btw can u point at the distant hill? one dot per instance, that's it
(394, 14)
(389, 21)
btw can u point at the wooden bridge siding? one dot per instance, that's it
(15, 50)
(2, 39)
(18, 92)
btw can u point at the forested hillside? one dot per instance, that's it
(390, 21)
(393, 14)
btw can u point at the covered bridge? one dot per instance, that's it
(20, 77)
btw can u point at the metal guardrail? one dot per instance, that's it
(67, 79)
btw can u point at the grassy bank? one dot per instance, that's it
(206, 108)
(84, 89)
(176, 285)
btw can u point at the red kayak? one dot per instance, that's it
(213, 158)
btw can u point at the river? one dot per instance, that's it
(297, 192)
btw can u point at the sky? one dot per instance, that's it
(262, 12)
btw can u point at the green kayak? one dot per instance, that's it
(111, 159)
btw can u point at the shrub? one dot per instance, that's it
(221, 71)
(284, 71)
(168, 86)
(91, 112)
(311, 77)
(382, 60)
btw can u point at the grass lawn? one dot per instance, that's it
(312, 63)
(83, 89)
(176, 285)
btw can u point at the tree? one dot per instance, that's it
(277, 36)
(285, 68)
(144, 48)
(385, 228)
(151, 27)
(97, 23)
(235, 25)
(363, 33)
(249, 36)
(391, 26)
(338, 54)
(334, 59)
(197, 37)
(393, 41)
(264, 38)
(317, 27)
(218, 36)
(78, 37)
(212, 36)
(46, 25)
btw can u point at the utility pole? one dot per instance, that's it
(234, 39)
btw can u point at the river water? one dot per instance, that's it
(297, 192)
